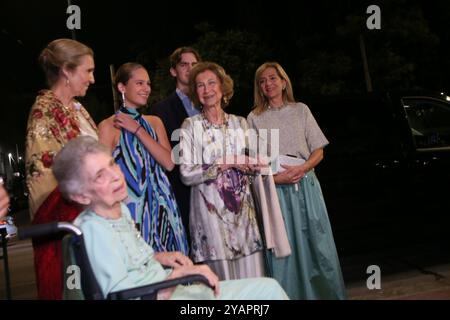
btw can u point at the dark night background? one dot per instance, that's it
(317, 42)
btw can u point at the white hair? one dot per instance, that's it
(68, 165)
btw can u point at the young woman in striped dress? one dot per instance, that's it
(141, 148)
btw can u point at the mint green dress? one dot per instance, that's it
(312, 271)
(121, 259)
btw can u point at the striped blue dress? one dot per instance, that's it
(151, 200)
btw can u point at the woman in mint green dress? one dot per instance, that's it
(312, 271)
(119, 257)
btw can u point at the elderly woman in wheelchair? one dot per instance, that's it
(120, 259)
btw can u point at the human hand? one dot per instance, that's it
(202, 269)
(291, 174)
(262, 165)
(246, 164)
(122, 120)
(173, 259)
(212, 278)
(4, 201)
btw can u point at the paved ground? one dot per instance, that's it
(23, 283)
(432, 283)
(408, 285)
(418, 272)
(21, 265)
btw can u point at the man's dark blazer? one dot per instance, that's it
(172, 113)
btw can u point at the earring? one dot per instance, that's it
(225, 100)
(123, 99)
(67, 82)
(284, 88)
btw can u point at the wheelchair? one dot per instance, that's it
(74, 252)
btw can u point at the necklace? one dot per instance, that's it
(223, 118)
(135, 248)
(269, 107)
(218, 136)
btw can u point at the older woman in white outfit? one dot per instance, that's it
(223, 227)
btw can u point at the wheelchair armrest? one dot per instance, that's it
(149, 292)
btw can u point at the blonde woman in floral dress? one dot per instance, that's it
(55, 118)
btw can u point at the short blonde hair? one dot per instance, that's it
(62, 53)
(225, 81)
(261, 103)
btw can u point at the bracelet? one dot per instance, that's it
(140, 126)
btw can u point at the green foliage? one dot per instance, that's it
(324, 73)
(401, 55)
(324, 58)
(238, 52)
(162, 82)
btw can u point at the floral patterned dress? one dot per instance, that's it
(223, 226)
(50, 126)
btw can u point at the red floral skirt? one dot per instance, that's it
(47, 250)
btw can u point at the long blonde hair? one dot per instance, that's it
(260, 101)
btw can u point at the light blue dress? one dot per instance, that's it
(312, 271)
(121, 259)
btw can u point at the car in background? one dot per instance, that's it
(386, 172)
(7, 223)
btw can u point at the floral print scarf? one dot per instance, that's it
(50, 126)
